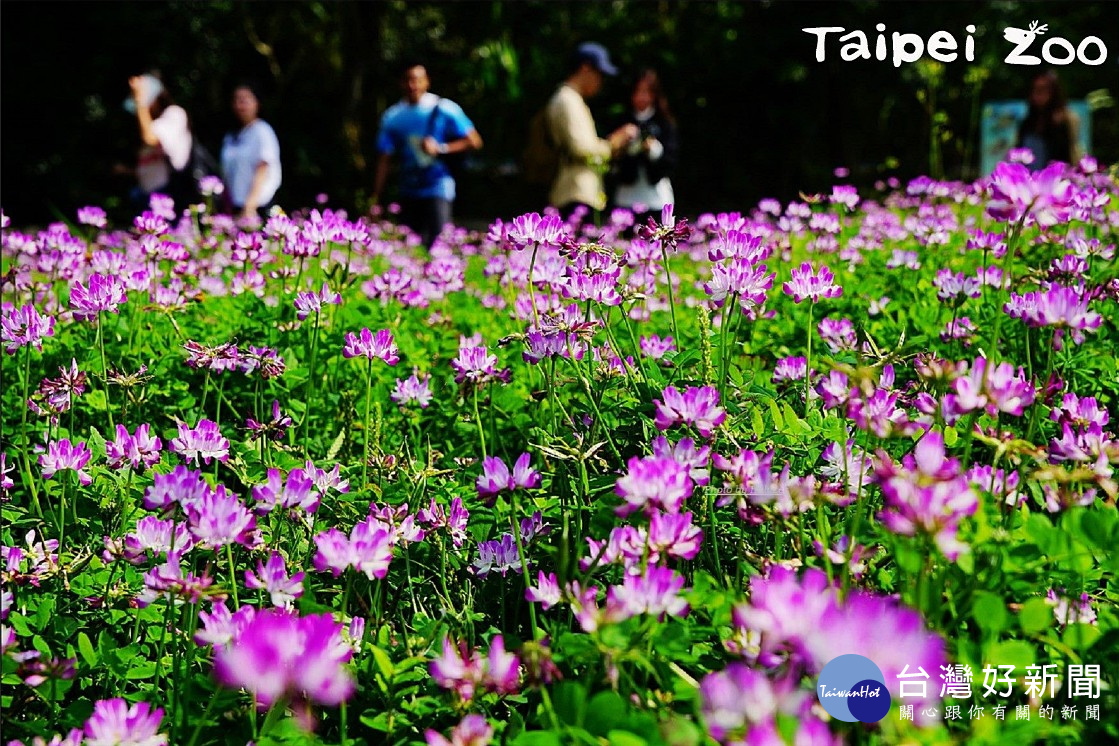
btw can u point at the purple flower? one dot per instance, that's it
(140, 450)
(1017, 193)
(368, 549)
(926, 494)
(810, 285)
(275, 429)
(413, 389)
(474, 730)
(687, 454)
(996, 390)
(742, 278)
(801, 623)
(156, 536)
(368, 345)
(655, 348)
(104, 293)
(533, 229)
(115, 723)
(674, 535)
(546, 592)
(307, 303)
(954, 287)
(279, 655)
(838, 334)
(182, 487)
(24, 326)
(203, 442)
(62, 455)
(653, 483)
(465, 671)
(735, 698)
(218, 518)
(497, 478)
(454, 520)
(475, 364)
(1060, 307)
(219, 627)
(498, 555)
(273, 578)
(263, 359)
(92, 215)
(656, 592)
(698, 406)
(296, 491)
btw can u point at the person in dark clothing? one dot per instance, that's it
(641, 176)
(1049, 129)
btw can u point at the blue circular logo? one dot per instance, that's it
(851, 688)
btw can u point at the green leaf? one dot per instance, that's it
(950, 436)
(570, 702)
(537, 738)
(384, 662)
(625, 738)
(1036, 615)
(989, 612)
(1017, 653)
(85, 647)
(607, 711)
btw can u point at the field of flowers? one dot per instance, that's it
(623, 485)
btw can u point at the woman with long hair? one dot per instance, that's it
(641, 174)
(1049, 130)
(163, 161)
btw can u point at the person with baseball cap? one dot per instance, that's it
(582, 153)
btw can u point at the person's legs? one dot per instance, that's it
(439, 215)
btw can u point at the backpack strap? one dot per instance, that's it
(429, 131)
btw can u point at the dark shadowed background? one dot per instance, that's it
(758, 115)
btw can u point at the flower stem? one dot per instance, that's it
(808, 361)
(104, 369)
(368, 394)
(232, 576)
(28, 476)
(307, 386)
(671, 298)
(478, 421)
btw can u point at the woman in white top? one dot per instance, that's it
(250, 157)
(164, 157)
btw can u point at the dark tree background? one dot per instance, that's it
(758, 115)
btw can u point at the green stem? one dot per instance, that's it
(307, 387)
(671, 298)
(531, 287)
(104, 370)
(368, 395)
(513, 514)
(478, 421)
(808, 362)
(28, 475)
(232, 576)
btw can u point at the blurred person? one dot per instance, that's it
(583, 155)
(1049, 130)
(421, 130)
(640, 177)
(163, 162)
(250, 157)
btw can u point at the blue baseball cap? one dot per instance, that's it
(597, 56)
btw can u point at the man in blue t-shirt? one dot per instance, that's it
(419, 129)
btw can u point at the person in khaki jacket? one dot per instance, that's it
(583, 153)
